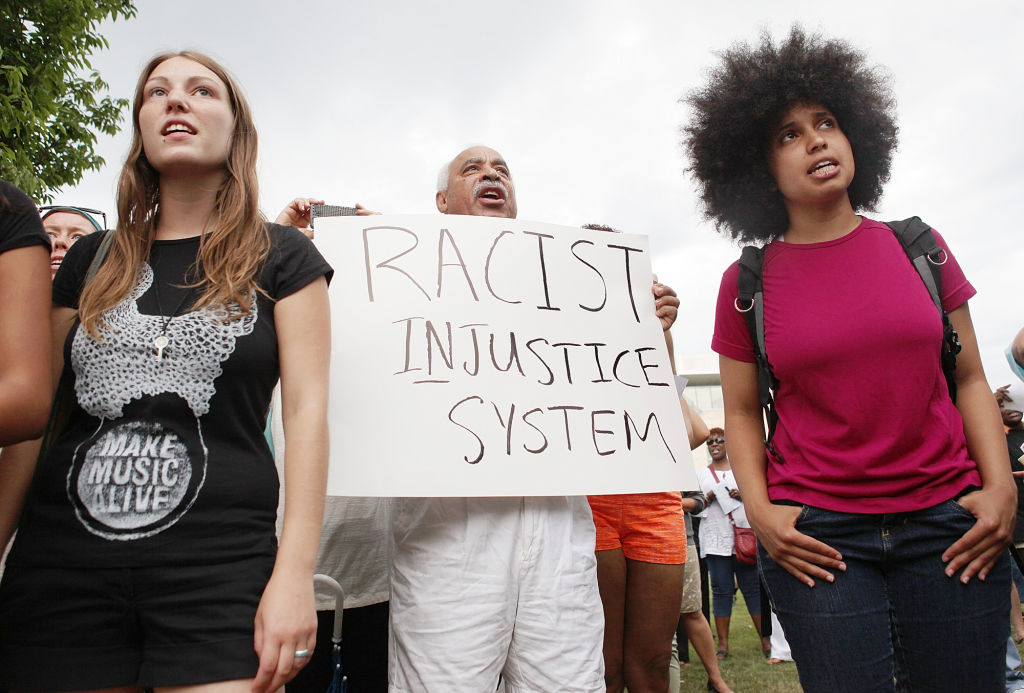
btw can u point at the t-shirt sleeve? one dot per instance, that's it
(699, 499)
(294, 262)
(731, 338)
(705, 482)
(67, 285)
(956, 290)
(20, 225)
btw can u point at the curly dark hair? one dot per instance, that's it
(735, 113)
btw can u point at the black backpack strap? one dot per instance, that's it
(750, 302)
(924, 252)
(927, 256)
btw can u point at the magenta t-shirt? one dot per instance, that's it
(866, 424)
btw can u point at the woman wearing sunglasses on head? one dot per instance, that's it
(65, 225)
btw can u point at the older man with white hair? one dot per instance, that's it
(483, 588)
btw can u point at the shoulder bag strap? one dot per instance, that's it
(60, 410)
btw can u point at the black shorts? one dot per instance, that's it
(77, 628)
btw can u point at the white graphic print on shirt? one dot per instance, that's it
(135, 477)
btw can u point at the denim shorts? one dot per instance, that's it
(893, 621)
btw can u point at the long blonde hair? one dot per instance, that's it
(235, 242)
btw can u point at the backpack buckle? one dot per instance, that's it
(937, 253)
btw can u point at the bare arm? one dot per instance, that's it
(775, 525)
(696, 428)
(670, 345)
(666, 308)
(18, 462)
(25, 386)
(995, 504)
(286, 618)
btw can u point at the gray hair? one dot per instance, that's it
(442, 176)
(446, 170)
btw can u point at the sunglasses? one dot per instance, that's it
(716, 441)
(84, 211)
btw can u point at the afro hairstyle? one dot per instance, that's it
(733, 116)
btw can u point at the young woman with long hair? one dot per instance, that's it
(146, 552)
(883, 509)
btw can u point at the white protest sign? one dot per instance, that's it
(494, 357)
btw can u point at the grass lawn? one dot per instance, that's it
(745, 669)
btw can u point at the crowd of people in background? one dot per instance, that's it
(152, 537)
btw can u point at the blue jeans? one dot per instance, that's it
(893, 614)
(726, 572)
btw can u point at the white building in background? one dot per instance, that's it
(704, 392)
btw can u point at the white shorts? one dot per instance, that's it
(482, 587)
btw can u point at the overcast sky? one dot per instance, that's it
(363, 101)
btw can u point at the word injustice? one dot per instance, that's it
(537, 358)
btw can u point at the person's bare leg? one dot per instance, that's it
(722, 630)
(653, 593)
(611, 583)
(673, 667)
(699, 631)
(766, 644)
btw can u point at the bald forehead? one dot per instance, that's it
(480, 154)
(477, 155)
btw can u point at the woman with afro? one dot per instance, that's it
(883, 508)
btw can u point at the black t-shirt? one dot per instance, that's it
(20, 225)
(164, 460)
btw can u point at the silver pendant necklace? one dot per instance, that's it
(162, 341)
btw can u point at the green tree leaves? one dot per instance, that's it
(49, 113)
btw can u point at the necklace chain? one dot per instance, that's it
(161, 341)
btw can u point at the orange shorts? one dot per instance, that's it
(649, 527)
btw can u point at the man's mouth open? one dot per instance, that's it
(490, 193)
